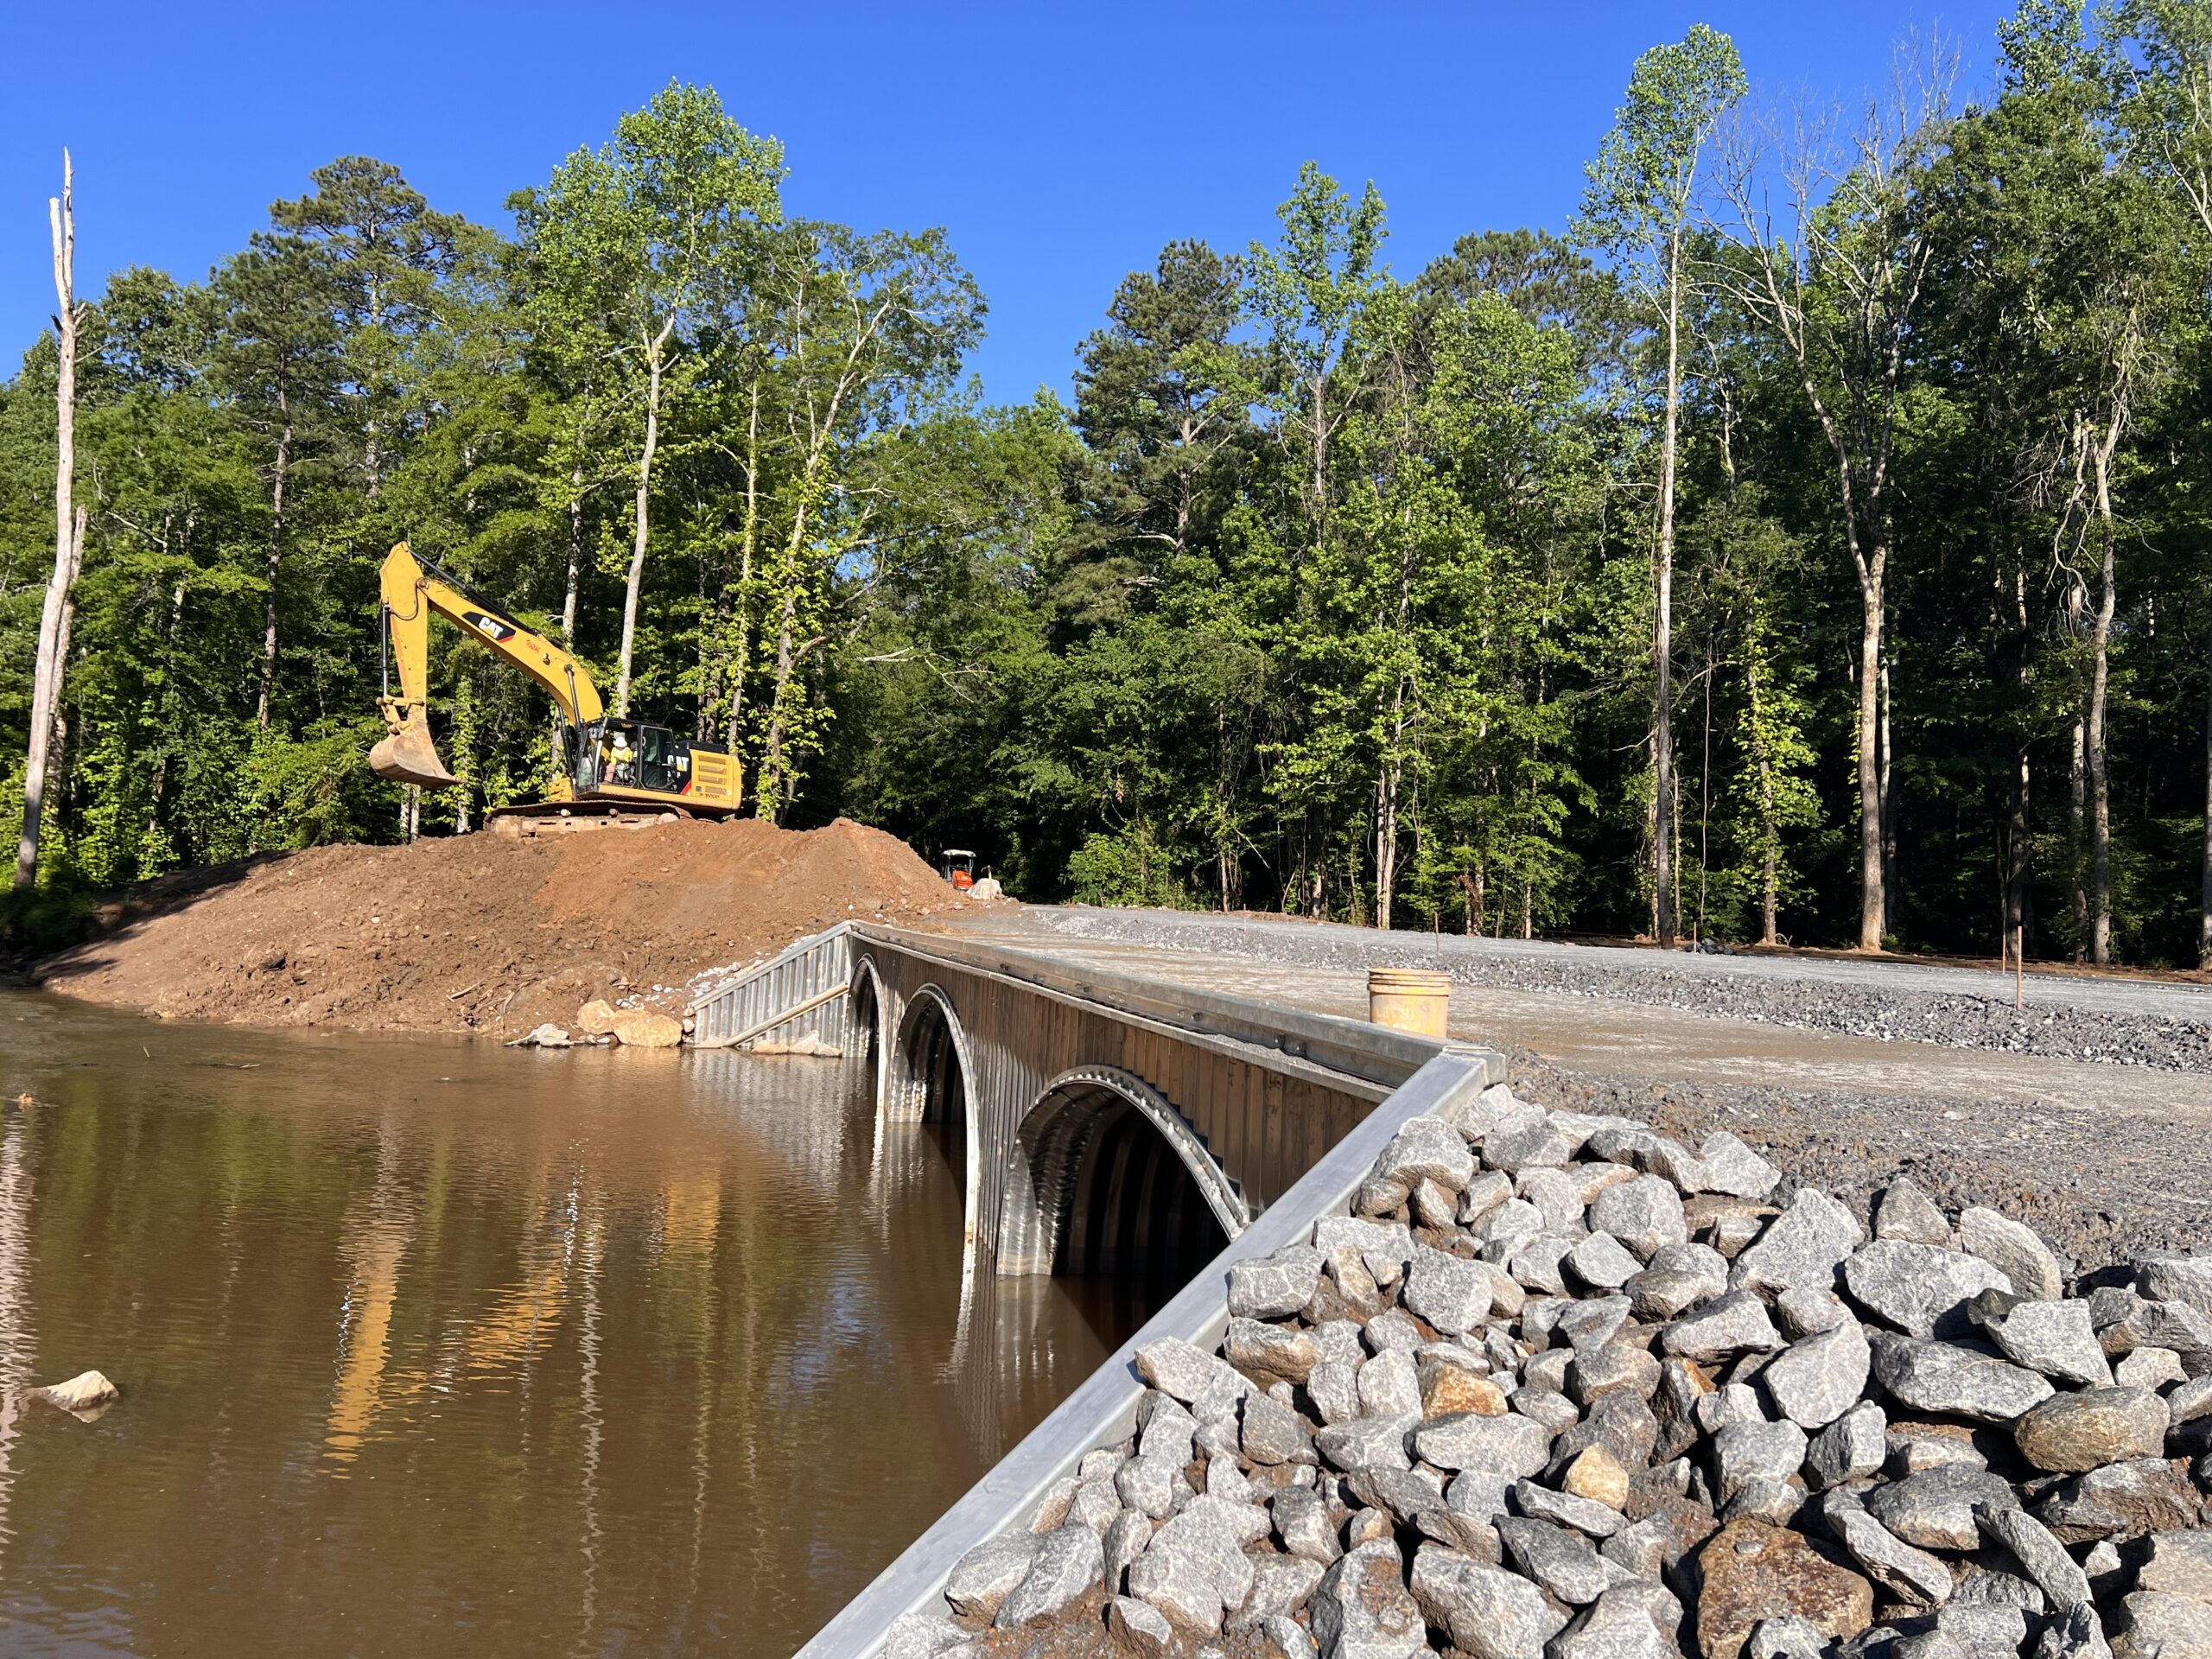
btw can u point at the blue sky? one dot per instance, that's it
(1062, 145)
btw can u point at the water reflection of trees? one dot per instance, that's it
(560, 1352)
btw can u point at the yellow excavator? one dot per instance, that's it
(619, 772)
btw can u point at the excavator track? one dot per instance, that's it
(573, 817)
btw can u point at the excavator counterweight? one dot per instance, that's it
(618, 770)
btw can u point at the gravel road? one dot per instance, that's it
(2089, 1119)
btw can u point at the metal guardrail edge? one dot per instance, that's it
(1263, 1024)
(1103, 1407)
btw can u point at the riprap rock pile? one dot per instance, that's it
(1561, 1387)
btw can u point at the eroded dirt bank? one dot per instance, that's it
(481, 933)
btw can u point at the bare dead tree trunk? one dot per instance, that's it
(655, 350)
(740, 668)
(2078, 782)
(275, 556)
(1889, 810)
(2100, 780)
(1666, 921)
(2204, 919)
(52, 662)
(1873, 910)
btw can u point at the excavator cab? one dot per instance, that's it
(630, 754)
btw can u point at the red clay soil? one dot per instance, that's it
(481, 933)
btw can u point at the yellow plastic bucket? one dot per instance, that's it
(1414, 1000)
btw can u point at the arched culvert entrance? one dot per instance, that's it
(1106, 1178)
(930, 1071)
(864, 1033)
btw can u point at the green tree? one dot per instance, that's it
(618, 247)
(1637, 208)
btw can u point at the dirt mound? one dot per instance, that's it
(481, 933)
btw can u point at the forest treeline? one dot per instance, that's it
(1808, 544)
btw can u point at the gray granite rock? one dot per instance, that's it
(1126, 1538)
(1369, 1442)
(2154, 1625)
(1735, 1324)
(2072, 1433)
(1140, 1628)
(1585, 1516)
(2121, 1500)
(1301, 1521)
(2041, 1556)
(1615, 1626)
(1451, 1293)
(1383, 1247)
(1920, 1289)
(1427, 1149)
(2179, 1563)
(1602, 1261)
(1523, 1141)
(1643, 1214)
(1273, 1433)
(1733, 1168)
(2074, 1633)
(1281, 1585)
(1361, 1609)
(1147, 1484)
(1563, 1562)
(1985, 1630)
(1906, 1213)
(1589, 1323)
(1617, 1367)
(1850, 1448)
(1744, 1452)
(1068, 1563)
(1195, 1568)
(1787, 1636)
(2177, 1279)
(1957, 1381)
(1404, 1495)
(1274, 1350)
(1334, 1386)
(1511, 1445)
(1912, 1574)
(1811, 1311)
(1813, 1381)
(983, 1578)
(2149, 1368)
(923, 1634)
(1558, 1198)
(1487, 1612)
(2053, 1338)
(1802, 1246)
(1935, 1508)
(1274, 1286)
(2014, 1249)
(1389, 1385)
(1184, 1372)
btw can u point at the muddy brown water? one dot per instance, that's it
(427, 1346)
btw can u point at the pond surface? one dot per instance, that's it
(427, 1347)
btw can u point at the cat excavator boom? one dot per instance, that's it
(618, 770)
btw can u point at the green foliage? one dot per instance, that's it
(1329, 593)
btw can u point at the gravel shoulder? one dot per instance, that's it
(2109, 1160)
(2120, 1023)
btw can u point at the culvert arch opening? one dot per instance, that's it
(1108, 1179)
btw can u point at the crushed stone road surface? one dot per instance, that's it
(2090, 1118)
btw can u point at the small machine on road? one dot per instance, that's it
(960, 867)
(620, 773)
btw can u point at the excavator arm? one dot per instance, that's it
(412, 590)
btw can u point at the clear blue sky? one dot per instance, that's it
(1061, 145)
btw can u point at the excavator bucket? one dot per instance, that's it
(409, 756)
